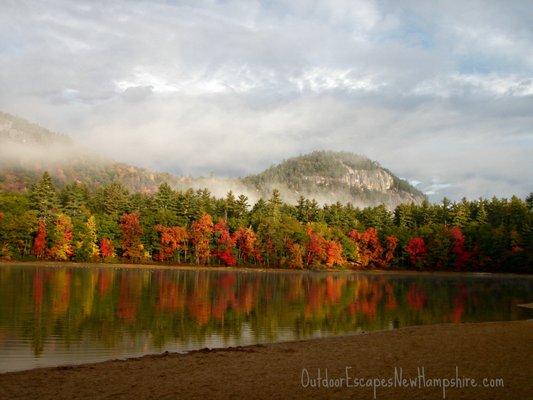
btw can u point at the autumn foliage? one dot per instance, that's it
(246, 243)
(109, 223)
(461, 254)
(39, 245)
(172, 239)
(201, 232)
(107, 248)
(417, 250)
(132, 230)
(370, 251)
(62, 247)
(225, 243)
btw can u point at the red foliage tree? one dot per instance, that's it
(132, 231)
(246, 242)
(225, 243)
(172, 239)
(201, 232)
(40, 249)
(107, 248)
(417, 249)
(315, 249)
(461, 254)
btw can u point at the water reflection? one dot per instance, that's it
(50, 316)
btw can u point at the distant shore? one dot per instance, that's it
(496, 351)
(71, 264)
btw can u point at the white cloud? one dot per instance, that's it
(439, 93)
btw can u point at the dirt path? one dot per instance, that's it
(485, 350)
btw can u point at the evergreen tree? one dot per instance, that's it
(44, 197)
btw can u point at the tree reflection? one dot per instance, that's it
(114, 305)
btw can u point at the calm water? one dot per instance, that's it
(53, 316)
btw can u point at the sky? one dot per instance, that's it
(441, 93)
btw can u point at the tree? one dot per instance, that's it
(201, 232)
(417, 250)
(40, 248)
(295, 255)
(107, 248)
(315, 249)
(62, 241)
(113, 199)
(87, 241)
(333, 254)
(368, 246)
(165, 197)
(44, 197)
(132, 231)
(225, 244)
(172, 240)
(74, 199)
(529, 201)
(246, 243)
(461, 254)
(391, 242)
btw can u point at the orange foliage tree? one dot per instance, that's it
(368, 246)
(315, 249)
(172, 239)
(333, 253)
(246, 242)
(132, 231)
(201, 232)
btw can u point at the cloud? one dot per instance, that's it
(441, 94)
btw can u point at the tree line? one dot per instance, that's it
(110, 224)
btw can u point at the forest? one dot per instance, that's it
(110, 224)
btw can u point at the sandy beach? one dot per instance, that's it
(499, 351)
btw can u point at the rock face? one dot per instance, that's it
(330, 176)
(27, 150)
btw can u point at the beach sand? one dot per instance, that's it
(479, 350)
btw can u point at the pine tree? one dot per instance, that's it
(44, 197)
(165, 197)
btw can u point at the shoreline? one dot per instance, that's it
(478, 350)
(189, 267)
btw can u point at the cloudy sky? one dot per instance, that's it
(440, 94)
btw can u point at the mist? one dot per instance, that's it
(441, 94)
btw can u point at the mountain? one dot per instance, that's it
(335, 176)
(27, 150)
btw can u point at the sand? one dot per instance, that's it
(481, 350)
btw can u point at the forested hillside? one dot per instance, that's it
(27, 150)
(341, 176)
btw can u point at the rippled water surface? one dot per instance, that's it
(66, 315)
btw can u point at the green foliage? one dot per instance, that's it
(495, 234)
(44, 197)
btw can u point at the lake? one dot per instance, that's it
(66, 315)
